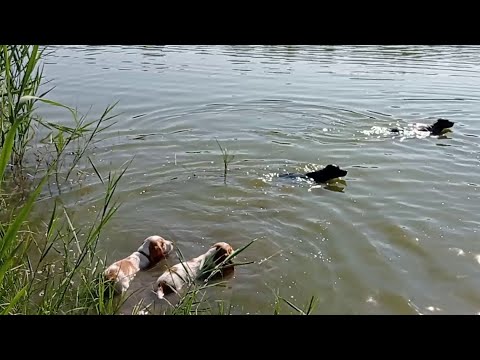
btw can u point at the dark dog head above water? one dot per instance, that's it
(439, 126)
(435, 129)
(327, 173)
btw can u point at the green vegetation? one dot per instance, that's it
(227, 159)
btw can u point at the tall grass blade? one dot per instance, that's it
(46, 101)
(95, 169)
(32, 61)
(293, 306)
(7, 148)
(311, 305)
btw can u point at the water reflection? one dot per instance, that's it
(377, 241)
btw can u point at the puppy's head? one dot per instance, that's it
(440, 125)
(223, 251)
(156, 248)
(334, 171)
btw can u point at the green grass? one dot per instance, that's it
(20, 75)
(52, 271)
(46, 270)
(227, 159)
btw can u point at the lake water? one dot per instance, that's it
(400, 236)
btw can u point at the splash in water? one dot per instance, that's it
(411, 131)
(296, 179)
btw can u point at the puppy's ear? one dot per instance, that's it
(165, 247)
(229, 250)
(223, 251)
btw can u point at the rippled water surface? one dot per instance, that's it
(400, 236)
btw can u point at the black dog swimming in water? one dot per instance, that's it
(435, 129)
(320, 176)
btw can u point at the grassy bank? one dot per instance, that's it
(51, 269)
(46, 270)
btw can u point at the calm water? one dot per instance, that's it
(401, 236)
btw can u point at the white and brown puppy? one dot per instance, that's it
(174, 278)
(151, 252)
